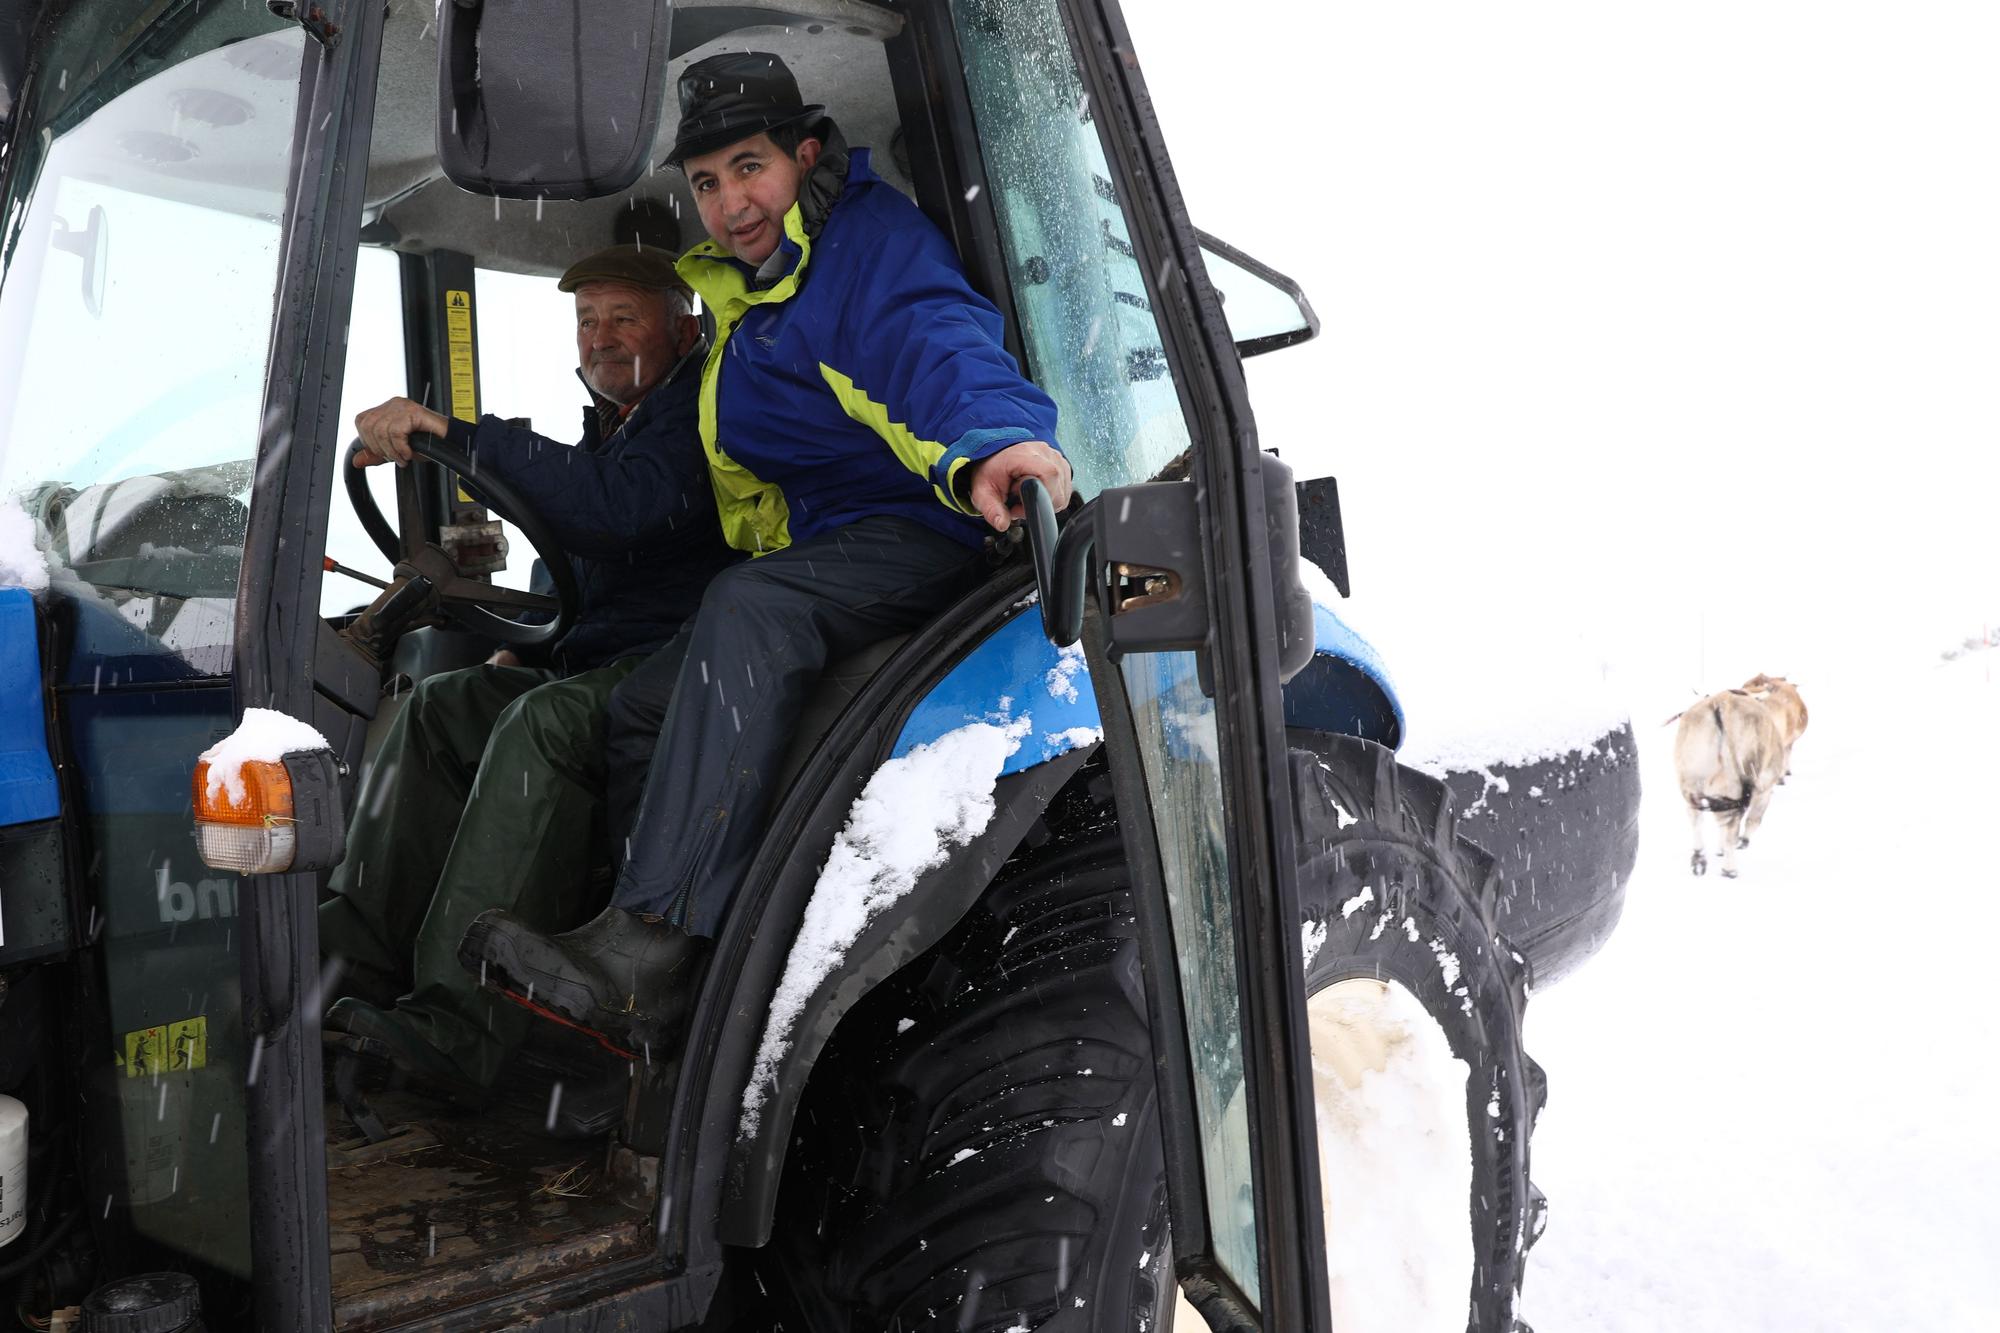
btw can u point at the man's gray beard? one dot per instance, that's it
(624, 397)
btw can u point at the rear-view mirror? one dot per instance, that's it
(559, 99)
(1266, 310)
(93, 246)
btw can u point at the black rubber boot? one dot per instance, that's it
(626, 979)
(396, 1044)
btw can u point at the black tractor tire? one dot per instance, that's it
(1389, 889)
(979, 1148)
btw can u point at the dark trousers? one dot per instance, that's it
(709, 731)
(483, 794)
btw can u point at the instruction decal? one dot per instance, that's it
(458, 347)
(169, 1048)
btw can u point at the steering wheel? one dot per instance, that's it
(482, 608)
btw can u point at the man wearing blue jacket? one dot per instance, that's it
(861, 417)
(490, 782)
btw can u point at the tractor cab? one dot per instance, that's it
(226, 229)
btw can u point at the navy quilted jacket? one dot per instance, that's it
(634, 510)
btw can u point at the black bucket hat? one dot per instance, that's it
(733, 96)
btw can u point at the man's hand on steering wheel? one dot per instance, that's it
(385, 431)
(400, 431)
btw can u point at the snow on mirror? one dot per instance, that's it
(1266, 310)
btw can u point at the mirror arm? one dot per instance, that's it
(1062, 562)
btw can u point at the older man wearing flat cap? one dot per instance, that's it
(866, 430)
(490, 784)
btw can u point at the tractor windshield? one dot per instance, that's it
(1090, 335)
(141, 246)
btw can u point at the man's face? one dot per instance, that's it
(628, 338)
(744, 191)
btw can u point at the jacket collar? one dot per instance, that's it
(819, 191)
(819, 194)
(602, 418)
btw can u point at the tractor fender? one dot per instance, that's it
(1345, 690)
(1013, 677)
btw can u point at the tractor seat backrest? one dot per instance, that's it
(837, 687)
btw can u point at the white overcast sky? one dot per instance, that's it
(1682, 320)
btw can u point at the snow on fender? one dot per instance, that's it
(914, 810)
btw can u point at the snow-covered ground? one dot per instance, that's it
(1657, 347)
(1772, 1100)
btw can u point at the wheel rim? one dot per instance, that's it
(1395, 1160)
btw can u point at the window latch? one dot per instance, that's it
(309, 16)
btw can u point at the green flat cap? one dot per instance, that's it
(640, 266)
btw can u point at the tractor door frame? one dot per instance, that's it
(1243, 680)
(277, 636)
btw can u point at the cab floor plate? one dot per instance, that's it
(473, 1204)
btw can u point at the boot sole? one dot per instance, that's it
(490, 955)
(541, 1010)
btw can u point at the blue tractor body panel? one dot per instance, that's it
(1345, 689)
(27, 778)
(1017, 672)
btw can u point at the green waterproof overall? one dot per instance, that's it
(488, 791)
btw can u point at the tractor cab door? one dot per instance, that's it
(1187, 643)
(148, 193)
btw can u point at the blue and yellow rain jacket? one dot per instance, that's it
(861, 382)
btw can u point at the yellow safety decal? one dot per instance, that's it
(464, 374)
(458, 345)
(187, 1044)
(146, 1052)
(170, 1048)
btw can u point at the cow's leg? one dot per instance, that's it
(1699, 864)
(1754, 818)
(1731, 823)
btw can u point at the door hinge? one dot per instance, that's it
(311, 17)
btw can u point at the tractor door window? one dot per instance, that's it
(1093, 343)
(527, 369)
(135, 313)
(375, 372)
(141, 242)
(1087, 327)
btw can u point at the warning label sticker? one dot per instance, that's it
(169, 1048)
(458, 347)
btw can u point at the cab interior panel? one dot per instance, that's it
(835, 47)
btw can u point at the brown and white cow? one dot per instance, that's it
(1729, 753)
(1782, 698)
